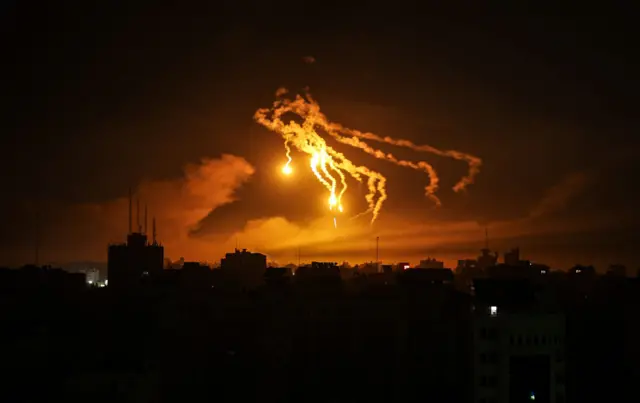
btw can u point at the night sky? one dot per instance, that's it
(97, 99)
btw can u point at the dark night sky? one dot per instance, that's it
(100, 98)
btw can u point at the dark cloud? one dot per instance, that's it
(178, 205)
(560, 194)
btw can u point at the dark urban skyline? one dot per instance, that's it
(102, 99)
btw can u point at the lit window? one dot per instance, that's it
(532, 396)
(578, 271)
(493, 310)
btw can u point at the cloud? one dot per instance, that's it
(184, 205)
(403, 238)
(82, 231)
(352, 240)
(559, 195)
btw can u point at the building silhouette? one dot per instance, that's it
(136, 260)
(523, 333)
(431, 263)
(245, 268)
(318, 272)
(518, 346)
(617, 270)
(469, 269)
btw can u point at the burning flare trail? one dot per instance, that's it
(332, 167)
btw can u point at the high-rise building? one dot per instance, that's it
(131, 262)
(519, 357)
(518, 348)
(247, 268)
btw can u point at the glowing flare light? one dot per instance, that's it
(287, 170)
(331, 167)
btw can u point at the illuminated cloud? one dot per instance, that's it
(180, 205)
(83, 231)
(403, 238)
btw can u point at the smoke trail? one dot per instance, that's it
(288, 150)
(311, 110)
(306, 139)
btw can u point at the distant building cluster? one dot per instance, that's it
(486, 331)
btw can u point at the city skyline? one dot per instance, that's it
(319, 202)
(308, 253)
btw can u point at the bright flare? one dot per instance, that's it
(287, 170)
(325, 161)
(332, 201)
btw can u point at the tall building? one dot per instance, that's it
(131, 262)
(518, 349)
(247, 268)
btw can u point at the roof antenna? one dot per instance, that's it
(130, 202)
(145, 219)
(486, 238)
(154, 230)
(138, 214)
(37, 236)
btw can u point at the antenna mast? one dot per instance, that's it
(37, 233)
(138, 214)
(486, 238)
(145, 219)
(130, 207)
(377, 253)
(154, 230)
